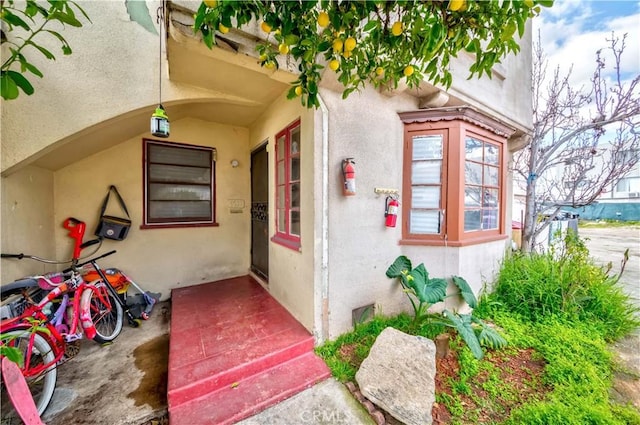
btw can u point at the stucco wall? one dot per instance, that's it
(366, 127)
(27, 222)
(161, 259)
(291, 273)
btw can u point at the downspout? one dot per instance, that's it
(324, 262)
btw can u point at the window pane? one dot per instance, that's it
(295, 141)
(426, 172)
(490, 176)
(427, 147)
(473, 149)
(424, 222)
(425, 196)
(472, 220)
(472, 173)
(280, 148)
(489, 219)
(472, 196)
(280, 222)
(490, 198)
(491, 154)
(295, 195)
(281, 174)
(179, 209)
(179, 155)
(176, 173)
(182, 192)
(295, 168)
(295, 223)
(281, 197)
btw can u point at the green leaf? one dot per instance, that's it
(462, 325)
(44, 51)
(65, 46)
(401, 264)
(545, 3)
(370, 25)
(12, 19)
(12, 353)
(465, 291)
(66, 18)
(8, 87)
(22, 82)
(26, 66)
(291, 39)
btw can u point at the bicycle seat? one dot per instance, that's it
(17, 286)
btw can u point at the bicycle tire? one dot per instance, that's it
(107, 319)
(40, 379)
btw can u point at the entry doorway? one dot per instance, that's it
(260, 212)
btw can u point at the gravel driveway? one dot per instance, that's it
(607, 244)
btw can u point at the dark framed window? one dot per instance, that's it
(288, 186)
(179, 184)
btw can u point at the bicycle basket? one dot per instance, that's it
(14, 305)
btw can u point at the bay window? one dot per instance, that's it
(454, 185)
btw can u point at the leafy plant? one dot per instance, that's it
(15, 353)
(567, 284)
(423, 292)
(32, 19)
(380, 42)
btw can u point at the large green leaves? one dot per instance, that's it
(14, 68)
(465, 291)
(463, 325)
(400, 266)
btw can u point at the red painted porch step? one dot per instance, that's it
(234, 351)
(251, 395)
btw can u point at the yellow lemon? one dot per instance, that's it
(298, 91)
(265, 27)
(347, 53)
(211, 3)
(337, 45)
(397, 28)
(262, 58)
(379, 71)
(323, 19)
(455, 5)
(408, 71)
(350, 44)
(270, 65)
(528, 3)
(284, 49)
(223, 29)
(334, 64)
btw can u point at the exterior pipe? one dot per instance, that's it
(324, 262)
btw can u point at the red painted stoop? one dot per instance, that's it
(233, 352)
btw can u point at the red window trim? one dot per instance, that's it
(456, 123)
(285, 238)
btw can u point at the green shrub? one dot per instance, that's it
(565, 284)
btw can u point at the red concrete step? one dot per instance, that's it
(248, 396)
(210, 374)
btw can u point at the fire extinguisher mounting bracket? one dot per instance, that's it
(384, 191)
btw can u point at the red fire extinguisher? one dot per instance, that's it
(349, 177)
(391, 211)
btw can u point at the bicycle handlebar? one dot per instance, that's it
(90, 261)
(18, 256)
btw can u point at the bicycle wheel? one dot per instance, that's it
(106, 312)
(39, 369)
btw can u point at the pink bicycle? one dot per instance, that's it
(48, 314)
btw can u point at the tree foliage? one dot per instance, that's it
(584, 140)
(31, 19)
(380, 42)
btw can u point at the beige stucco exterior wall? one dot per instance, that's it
(162, 259)
(27, 221)
(291, 273)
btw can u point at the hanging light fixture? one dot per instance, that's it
(159, 119)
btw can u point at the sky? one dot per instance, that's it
(572, 31)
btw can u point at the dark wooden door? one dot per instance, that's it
(259, 212)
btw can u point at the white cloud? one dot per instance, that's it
(571, 32)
